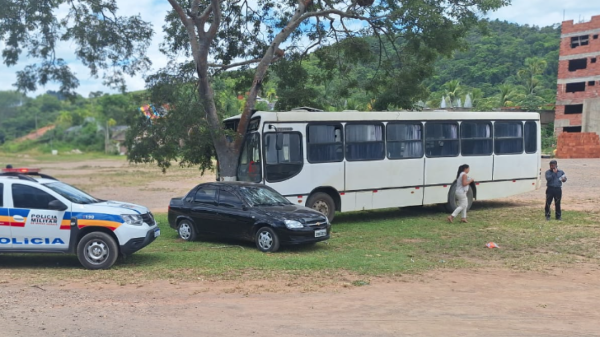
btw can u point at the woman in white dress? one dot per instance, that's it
(462, 187)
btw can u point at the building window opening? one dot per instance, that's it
(582, 40)
(593, 60)
(577, 64)
(591, 83)
(572, 129)
(575, 87)
(596, 37)
(573, 109)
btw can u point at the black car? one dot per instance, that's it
(247, 211)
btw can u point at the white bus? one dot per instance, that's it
(350, 161)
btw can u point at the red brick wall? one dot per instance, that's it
(579, 96)
(592, 69)
(568, 27)
(578, 145)
(574, 119)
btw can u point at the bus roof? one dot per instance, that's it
(349, 116)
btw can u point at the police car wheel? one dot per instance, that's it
(97, 250)
(187, 231)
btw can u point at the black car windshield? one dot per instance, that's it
(260, 196)
(71, 193)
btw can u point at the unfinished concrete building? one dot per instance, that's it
(577, 116)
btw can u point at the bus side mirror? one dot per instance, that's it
(279, 141)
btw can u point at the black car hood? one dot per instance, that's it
(291, 212)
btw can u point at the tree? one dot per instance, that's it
(534, 67)
(227, 31)
(507, 93)
(452, 90)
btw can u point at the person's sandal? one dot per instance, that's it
(463, 220)
(450, 218)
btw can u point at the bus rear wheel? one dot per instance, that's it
(452, 204)
(323, 203)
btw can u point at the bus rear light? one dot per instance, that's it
(374, 191)
(445, 186)
(416, 188)
(342, 193)
(514, 181)
(477, 184)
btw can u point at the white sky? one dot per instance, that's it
(531, 12)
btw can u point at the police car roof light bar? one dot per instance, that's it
(25, 171)
(16, 175)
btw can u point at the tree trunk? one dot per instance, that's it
(228, 162)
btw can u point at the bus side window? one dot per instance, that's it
(508, 137)
(324, 143)
(404, 140)
(530, 137)
(441, 139)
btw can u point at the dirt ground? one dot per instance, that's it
(495, 302)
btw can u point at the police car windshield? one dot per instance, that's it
(71, 193)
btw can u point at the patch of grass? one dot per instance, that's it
(365, 244)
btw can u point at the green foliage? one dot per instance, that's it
(496, 55)
(102, 40)
(548, 138)
(21, 115)
(179, 135)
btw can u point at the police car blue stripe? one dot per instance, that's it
(19, 211)
(97, 216)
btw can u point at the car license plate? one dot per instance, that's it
(320, 232)
(157, 232)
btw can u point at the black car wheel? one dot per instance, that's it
(97, 250)
(267, 240)
(187, 231)
(322, 202)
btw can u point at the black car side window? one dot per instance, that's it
(228, 199)
(30, 197)
(206, 195)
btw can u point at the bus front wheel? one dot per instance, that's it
(323, 203)
(452, 204)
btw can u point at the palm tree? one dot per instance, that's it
(452, 89)
(507, 92)
(271, 94)
(534, 66)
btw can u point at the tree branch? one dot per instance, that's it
(239, 64)
(214, 26)
(180, 12)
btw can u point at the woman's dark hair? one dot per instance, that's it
(461, 169)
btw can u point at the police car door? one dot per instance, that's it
(5, 236)
(37, 219)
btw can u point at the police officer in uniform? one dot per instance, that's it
(554, 180)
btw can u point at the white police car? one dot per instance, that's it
(39, 214)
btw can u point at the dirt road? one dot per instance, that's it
(457, 303)
(451, 303)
